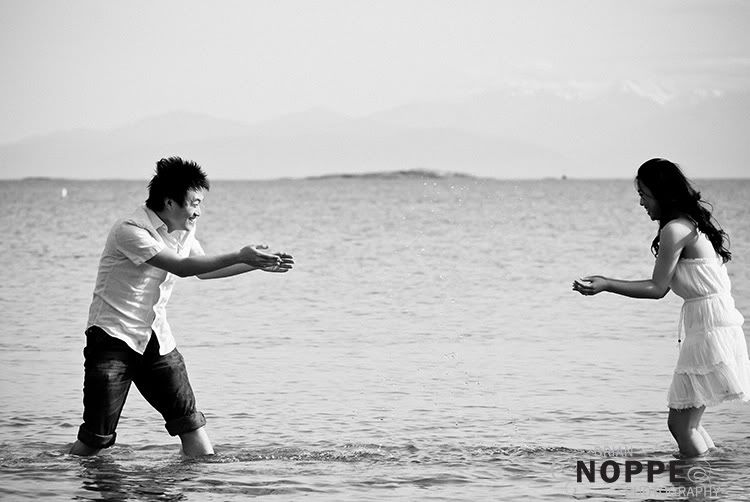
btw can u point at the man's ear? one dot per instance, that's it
(168, 203)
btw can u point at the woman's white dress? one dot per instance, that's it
(713, 365)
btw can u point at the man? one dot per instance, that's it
(128, 337)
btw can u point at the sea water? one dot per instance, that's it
(426, 346)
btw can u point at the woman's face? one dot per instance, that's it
(648, 201)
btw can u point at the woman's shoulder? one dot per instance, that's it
(680, 225)
(679, 230)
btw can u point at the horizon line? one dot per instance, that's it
(393, 175)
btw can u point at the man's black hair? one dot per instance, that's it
(173, 178)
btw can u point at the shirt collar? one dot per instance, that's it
(160, 227)
(153, 218)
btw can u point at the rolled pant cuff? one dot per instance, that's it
(185, 424)
(95, 440)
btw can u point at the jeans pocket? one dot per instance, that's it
(98, 342)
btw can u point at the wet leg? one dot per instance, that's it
(702, 431)
(196, 443)
(683, 424)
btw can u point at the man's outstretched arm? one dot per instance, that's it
(284, 266)
(246, 259)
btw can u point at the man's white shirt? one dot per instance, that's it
(130, 296)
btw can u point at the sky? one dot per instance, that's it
(98, 64)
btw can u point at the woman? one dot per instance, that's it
(691, 253)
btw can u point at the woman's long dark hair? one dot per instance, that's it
(676, 196)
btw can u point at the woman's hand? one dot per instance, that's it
(590, 285)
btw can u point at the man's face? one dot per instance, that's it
(184, 217)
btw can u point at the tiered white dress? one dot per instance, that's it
(713, 365)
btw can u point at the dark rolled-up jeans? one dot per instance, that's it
(109, 368)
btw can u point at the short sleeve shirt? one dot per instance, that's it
(130, 296)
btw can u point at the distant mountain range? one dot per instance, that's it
(500, 134)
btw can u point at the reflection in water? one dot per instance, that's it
(444, 470)
(111, 480)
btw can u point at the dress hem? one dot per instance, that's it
(736, 398)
